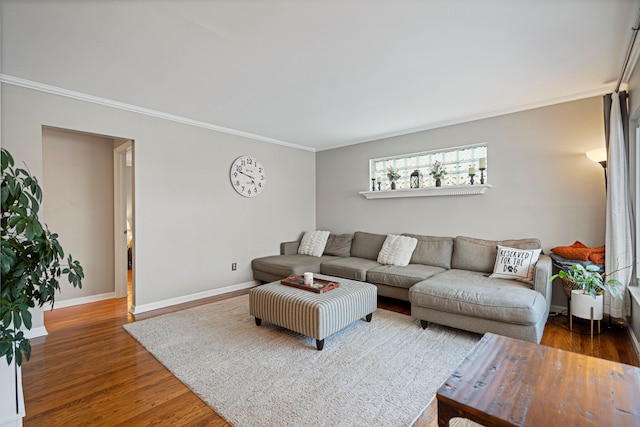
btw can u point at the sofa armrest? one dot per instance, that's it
(541, 282)
(289, 248)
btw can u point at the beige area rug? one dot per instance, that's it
(382, 373)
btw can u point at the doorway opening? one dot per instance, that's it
(87, 183)
(124, 225)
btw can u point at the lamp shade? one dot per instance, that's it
(598, 155)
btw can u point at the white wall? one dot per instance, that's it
(543, 184)
(190, 225)
(77, 188)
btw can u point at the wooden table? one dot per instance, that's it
(508, 382)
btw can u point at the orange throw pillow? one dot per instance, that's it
(579, 251)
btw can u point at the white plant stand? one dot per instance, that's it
(585, 307)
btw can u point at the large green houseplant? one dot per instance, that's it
(30, 260)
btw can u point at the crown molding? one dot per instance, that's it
(17, 81)
(631, 65)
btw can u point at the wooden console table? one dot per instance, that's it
(508, 382)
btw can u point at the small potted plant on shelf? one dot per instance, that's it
(393, 176)
(438, 172)
(587, 286)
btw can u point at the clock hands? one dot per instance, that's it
(252, 179)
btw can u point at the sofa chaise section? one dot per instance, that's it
(465, 297)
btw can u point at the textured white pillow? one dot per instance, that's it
(313, 243)
(397, 250)
(516, 264)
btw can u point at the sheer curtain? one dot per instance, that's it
(619, 228)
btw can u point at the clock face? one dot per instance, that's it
(248, 176)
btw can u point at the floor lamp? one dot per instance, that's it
(599, 155)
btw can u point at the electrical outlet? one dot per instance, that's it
(234, 266)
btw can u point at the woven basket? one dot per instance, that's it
(569, 285)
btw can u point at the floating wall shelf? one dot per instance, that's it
(458, 190)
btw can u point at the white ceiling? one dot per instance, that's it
(321, 73)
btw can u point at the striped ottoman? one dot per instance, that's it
(311, 314)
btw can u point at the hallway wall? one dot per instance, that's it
(77, 204)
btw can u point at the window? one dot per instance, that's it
(456, 161)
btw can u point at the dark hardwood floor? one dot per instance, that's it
(89, 371)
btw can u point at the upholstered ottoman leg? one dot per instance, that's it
(258, 321)
(369, 316)
(424, 324)
(320, 344)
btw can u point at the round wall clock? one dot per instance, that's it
(248, 176)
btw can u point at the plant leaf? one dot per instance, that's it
(26, 319)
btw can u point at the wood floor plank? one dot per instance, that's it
(90, 371)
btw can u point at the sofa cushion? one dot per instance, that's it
(402, 277)
(516, 264)
(284, 265)
(367, 245)
(432, 250)
(475, 294)
(349, 268)
(397, 250)
(480, 255)
(313, 243)
(339, 245)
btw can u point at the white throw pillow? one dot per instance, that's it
(516, 264)
(397, 250)
(313, 243)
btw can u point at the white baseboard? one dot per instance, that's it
(36, 332)
(137, 309)
(82, 300)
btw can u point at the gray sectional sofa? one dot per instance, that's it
(447, 280)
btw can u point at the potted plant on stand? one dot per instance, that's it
(587, 288)
(438, 172)
(30, 266)
(393, 176)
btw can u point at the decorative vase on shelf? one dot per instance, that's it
(438, 182)
(393, 185)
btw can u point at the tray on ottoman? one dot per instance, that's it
(319, 285)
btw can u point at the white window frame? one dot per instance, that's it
(454, 159)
